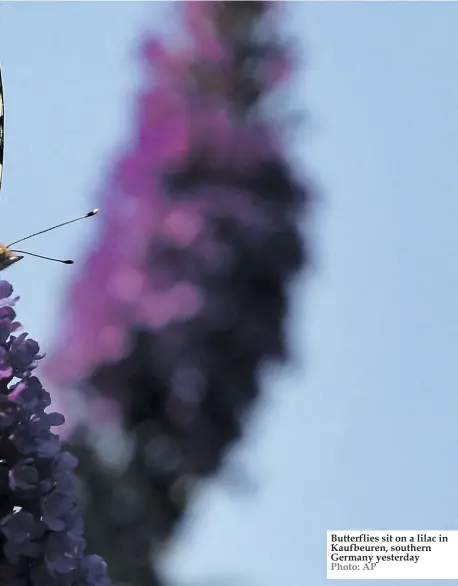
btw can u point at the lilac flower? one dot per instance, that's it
(195, 176)
(185, 294)
(41, 537)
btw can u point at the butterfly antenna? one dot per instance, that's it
(92, 213)
(65, 262)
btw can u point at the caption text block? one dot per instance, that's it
(392, 555)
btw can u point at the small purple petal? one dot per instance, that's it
(23, 476)
(55, 419)
(6, 290)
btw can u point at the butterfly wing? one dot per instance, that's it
(2, 128)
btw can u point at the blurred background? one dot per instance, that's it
(357, 430)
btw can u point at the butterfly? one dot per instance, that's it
(9, 256)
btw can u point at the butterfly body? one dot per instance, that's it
(7, 257)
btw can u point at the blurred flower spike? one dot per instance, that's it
(185, 293)
(202, 182)
(41, 527)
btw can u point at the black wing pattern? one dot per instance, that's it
(2, 128)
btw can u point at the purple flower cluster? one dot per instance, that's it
(41, 527)
(185, 294)
(197, 175)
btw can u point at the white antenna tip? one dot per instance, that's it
(93, 213)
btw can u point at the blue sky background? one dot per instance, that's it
(361, 432)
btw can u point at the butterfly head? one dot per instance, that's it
(7, 257)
